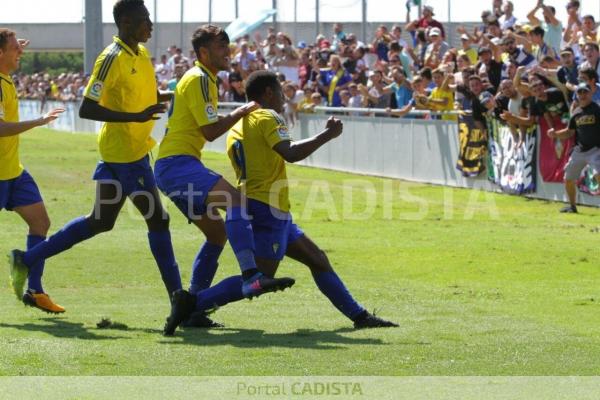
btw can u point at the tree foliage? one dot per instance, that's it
(52, 63)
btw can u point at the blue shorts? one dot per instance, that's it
(187, 182)
(20, 191)
(273, 230)
(133, 177)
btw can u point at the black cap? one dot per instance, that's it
(583, 86)
(484, 97)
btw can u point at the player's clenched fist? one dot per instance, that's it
(334, 127)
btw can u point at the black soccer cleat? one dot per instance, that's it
(260, 284)
(182, 307)
(199, 319)
(372, 321)
(570, 209)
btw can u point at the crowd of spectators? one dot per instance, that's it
(42, 86)
(511, 67)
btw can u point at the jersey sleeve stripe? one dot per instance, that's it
(277, 117)
(204, 87)
(105, 61)
(108, 61)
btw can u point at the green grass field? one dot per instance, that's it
(481, 284)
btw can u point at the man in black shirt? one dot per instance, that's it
(567, 73)
(585, 125)
(473, 93)
(491, 67)
(549, 103)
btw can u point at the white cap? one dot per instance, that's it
(464, 36)
(435, 31)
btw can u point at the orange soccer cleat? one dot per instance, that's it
(42, 301)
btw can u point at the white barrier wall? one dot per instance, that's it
(410, 149)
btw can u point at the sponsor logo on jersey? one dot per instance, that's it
(96, 89)
(283, 132)
(211, 113)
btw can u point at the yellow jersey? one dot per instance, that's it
(10, 166)
(440, 94)
(259, 169)
(123, 80)
(471, 53)
(194, 105)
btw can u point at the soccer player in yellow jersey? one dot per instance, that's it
(122, 92)
(258, 147)
(18, 190)
(195, 189)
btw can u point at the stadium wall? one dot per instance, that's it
(414, 150)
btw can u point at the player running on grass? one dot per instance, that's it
(122, 92)
(18, 190)
(195, 189)
(258, 147)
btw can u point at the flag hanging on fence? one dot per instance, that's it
(512, 168)
(554, 153)
(586, 182)
(472, 147)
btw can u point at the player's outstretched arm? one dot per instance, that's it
(15, 128)
(213, 131)
(297, 151)
(91, 109)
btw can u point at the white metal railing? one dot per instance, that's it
(405, 148)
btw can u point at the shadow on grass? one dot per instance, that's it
(248, 338)
(62, 329)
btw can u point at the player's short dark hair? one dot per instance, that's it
(204, 35)
(425, 73)
(538, 31)
(258, 82)
(5, 34)
(589, 73)
(124, 8)
(235, 77)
